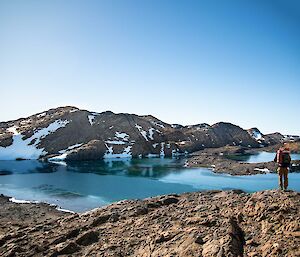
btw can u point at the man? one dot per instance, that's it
(283, 159)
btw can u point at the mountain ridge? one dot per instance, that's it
(74, 134)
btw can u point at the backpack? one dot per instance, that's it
(283, 157)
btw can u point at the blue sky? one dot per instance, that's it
(182, 61)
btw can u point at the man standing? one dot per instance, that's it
(283, 159)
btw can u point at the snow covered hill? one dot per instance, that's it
(73, 134)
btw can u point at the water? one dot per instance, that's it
(81, 186)
(259, 157)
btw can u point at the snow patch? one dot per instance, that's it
(25, 149)
(148, 135)
(115, 142)
(263, 170)
(59, 162)
(155, 145)
(151, 132)
(58, 158)
(64, 210)
(13, 130)
(143, 132)
(151, 155)
(63, 154)
(70, 148)
(91, 119)
(25, 122)
(255, 133)
(41, 115)
(122, 135)
(162, 152)
(111, 155)
(14, 200)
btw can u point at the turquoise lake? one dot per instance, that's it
(81, 186)
(260, 157)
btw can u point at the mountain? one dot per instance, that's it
(73, 134)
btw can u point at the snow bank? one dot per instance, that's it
(25, 149)
(263, 170)
(61, 157)
(64, 210)
(14, 200)
(64, 153)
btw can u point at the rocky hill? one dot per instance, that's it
(208, 224)
(73, 134)
(271, 139)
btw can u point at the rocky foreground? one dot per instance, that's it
(214, 223)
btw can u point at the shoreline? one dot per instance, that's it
(22, 201)
(217, 160)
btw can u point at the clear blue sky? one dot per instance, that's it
(183, 61)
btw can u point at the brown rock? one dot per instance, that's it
(88, 238)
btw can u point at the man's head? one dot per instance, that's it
(286, 147)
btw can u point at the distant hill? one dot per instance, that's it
(271, 139)
(73, 134)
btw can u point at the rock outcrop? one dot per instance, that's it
(218, 159)
(213, 223)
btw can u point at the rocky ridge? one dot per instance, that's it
(271, 139)
(213, 223)
(68, 133)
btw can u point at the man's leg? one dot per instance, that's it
(279, 170)
(285, 176)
